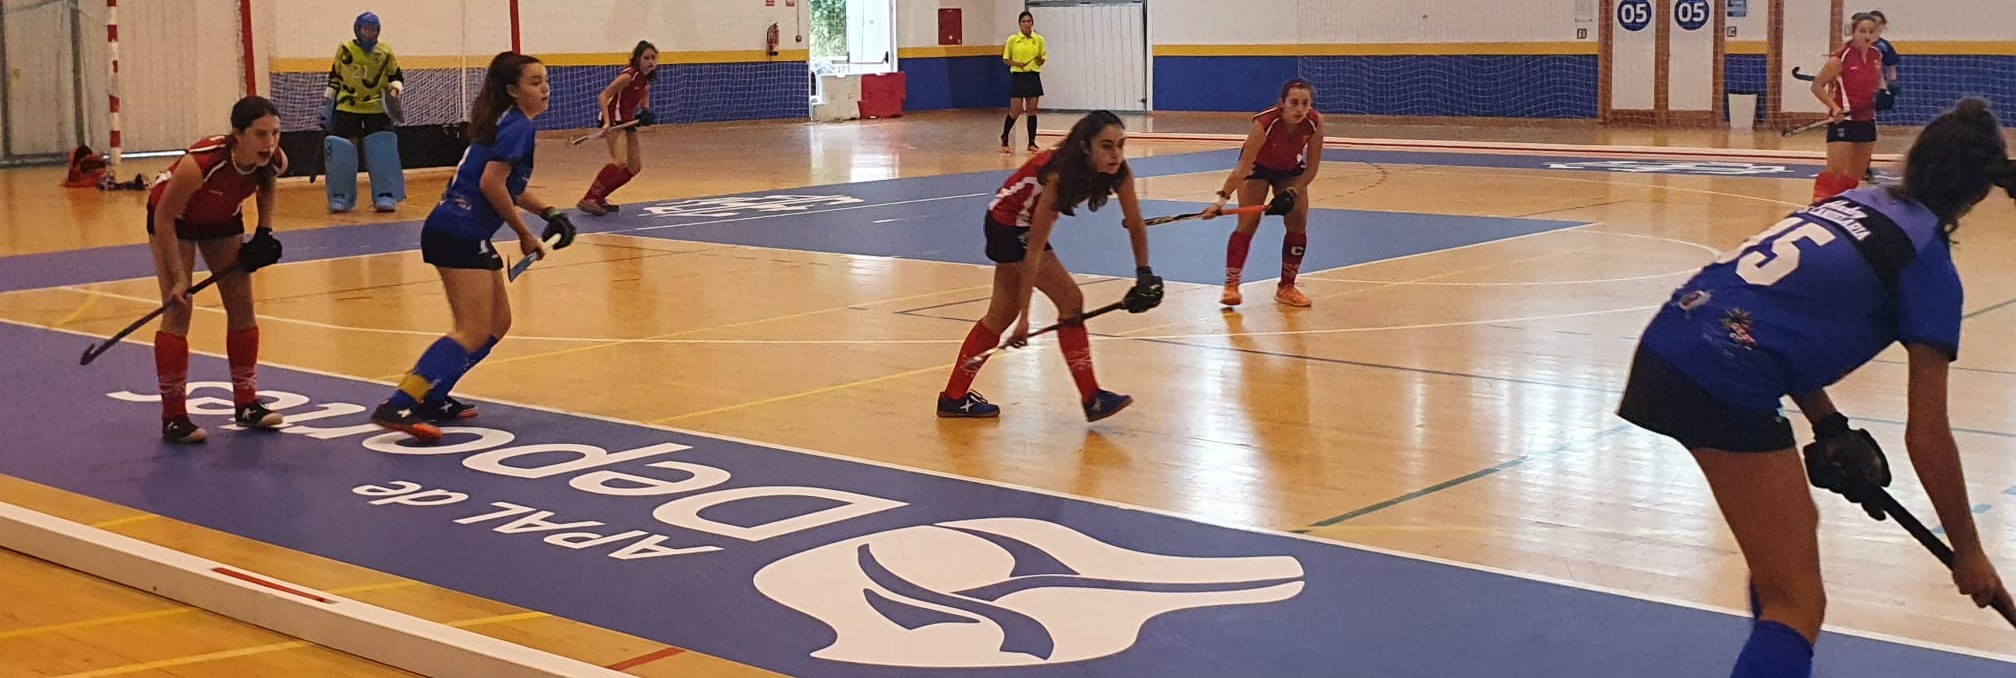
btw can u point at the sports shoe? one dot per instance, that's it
(180, 430)
(970, 407)
(405, 421)
(1105, 404)
(1288, 295)
(256, 415)
(449, 409)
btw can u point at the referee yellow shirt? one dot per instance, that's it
(1025, 48)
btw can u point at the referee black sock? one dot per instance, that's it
(1007, 128)
(1032, 129)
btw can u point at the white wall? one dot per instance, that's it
(313, 28)
(1966, 20)
(1261, 22)
(987, 22)
(1754, 26)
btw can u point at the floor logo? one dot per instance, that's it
(1713, 169)
(999, 592)
(741, 205)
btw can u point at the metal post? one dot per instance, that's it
(112, 84)
(77, 69)
(6, 106)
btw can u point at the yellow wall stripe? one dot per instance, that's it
(321, 64)
(1922, 48)
(1952, 48)
(942, 51)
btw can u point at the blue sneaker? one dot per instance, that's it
(970, 407)
(1105, 404)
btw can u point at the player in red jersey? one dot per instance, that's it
(627, 98)
(1087, 167)
(197, 205)
(1847, 85)
(1284, 150)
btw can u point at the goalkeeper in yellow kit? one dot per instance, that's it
(362, 100)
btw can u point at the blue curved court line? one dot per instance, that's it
(1361, 612)
(105, 264)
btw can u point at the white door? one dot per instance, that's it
(1691, 85)
(1808, 34)
(1098, 55)
(40, 111)
(1633, 53)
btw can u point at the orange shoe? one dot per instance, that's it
(1288, 295)
(406, 421)
(1231, 297)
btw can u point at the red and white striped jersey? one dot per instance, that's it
(1286, 144)
(224, 188)
(1015, 204)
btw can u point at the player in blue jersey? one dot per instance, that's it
(487, 191)
(1794, 310)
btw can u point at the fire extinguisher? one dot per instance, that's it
(770, 39)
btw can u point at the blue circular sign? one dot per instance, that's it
(1634, 15)
(1692, 14)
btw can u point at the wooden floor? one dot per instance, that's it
(1406, 375)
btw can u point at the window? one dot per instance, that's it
(853, 37)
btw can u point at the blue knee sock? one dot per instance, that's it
(442, 363)
(1774, 651)
(436, 396)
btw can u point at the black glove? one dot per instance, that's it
(557, 223)
(1147, 292)
(646, 118)
(1284, 202)
(261, 251)
(1847, 462)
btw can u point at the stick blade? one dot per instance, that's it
(90, 354)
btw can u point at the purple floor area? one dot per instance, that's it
(817, 565)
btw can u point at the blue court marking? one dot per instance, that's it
(1094, 242)
(811, 564)
(106, 264)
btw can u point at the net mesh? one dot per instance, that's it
(432, 96)
(1512, 86)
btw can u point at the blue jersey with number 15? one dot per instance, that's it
(464, 211)
(1809, 300)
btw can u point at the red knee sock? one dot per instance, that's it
(1235, 256)
(1830, 184)
(242, 347)
(1291, 257)
(978, 340)
(623, 176)
(612, 176)
(171, 368)
(1078, 356)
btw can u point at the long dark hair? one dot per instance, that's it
(247, 111)
(638, 53)
(1071, 165)
(1957, 161)
(495, 97)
